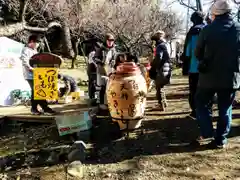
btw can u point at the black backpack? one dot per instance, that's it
(155, 65)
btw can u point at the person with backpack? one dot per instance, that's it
(197, 19)
(218, 50)
(160, 68)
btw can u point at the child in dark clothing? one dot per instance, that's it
(125, 57)
(70, 85)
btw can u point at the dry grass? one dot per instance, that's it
(161, 152)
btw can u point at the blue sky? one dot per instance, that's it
(182, 10)
(179, 9)
(174, 4)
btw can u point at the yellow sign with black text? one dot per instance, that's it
(45, 83)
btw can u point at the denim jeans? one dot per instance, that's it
(204, 113)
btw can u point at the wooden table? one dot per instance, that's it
(22, 113)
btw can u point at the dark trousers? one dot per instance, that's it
(204, 113)
(42, 103)
(193, 83)
(102, 94)
(91, 86)
(160, 94)
(92, 78)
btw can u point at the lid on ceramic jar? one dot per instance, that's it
(127, 68)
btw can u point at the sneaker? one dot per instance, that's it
(196, 142)
(236, 103)
(192, 115)
(36, 112)
(151, 86)
(103, 107)
(49, 111)
(214, 145)
(160, 107)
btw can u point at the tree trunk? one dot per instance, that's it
(67, 44)
(11, 29)
(75, 43)
(22, 25)
(23, 8)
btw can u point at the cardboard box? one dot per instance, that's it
(73, 123)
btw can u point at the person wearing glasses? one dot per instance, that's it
(104, 57)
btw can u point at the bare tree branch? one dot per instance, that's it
(38, 29)
(132, 22)
(186, 5)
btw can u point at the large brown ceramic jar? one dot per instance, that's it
(126, 95)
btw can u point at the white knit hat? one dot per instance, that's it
(160, 33)
(221, 7)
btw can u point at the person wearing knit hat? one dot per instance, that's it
(217, 50)
(158, 35)
(160, 70)
(221, 7)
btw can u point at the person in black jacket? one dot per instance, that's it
(161, 67)
(218, 50)
(197, 20)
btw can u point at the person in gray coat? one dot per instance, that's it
(218, 50)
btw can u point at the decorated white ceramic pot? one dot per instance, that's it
(126, 95)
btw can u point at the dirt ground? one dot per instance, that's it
(160, 152)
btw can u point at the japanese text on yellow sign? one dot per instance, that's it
(45, 83)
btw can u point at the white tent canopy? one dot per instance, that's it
(11, 75)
